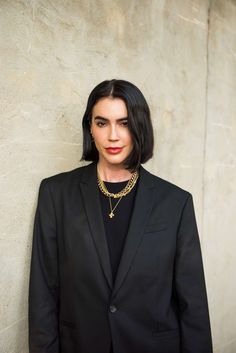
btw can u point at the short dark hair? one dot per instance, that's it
(139, 121)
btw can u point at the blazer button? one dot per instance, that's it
(112, 309)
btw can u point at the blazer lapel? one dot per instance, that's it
(142, 208)
(92, 204)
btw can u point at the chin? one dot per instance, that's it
(116, 160)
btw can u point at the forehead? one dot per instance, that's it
(109, 107)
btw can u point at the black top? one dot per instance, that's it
(116, 228)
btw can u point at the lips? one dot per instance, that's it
(114, 150)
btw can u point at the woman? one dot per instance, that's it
(116, 261)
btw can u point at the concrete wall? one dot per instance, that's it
(182, 54)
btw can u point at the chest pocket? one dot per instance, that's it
(155, 227)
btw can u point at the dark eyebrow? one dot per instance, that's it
(98, 117)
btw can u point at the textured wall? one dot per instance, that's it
(182, 54)
(219, 222)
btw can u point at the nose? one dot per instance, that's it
(113, 133)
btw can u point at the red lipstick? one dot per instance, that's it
(114, 150)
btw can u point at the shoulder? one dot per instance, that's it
(166, 188)
(69, 177)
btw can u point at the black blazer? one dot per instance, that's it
(158, 303)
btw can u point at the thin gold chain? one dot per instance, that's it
(129, 186)
(111, 214)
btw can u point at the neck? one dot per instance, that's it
(113, 173)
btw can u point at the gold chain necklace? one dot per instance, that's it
(129, 186)
(111, 214)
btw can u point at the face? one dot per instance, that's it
(109, 127)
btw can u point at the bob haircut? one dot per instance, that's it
(139, 121)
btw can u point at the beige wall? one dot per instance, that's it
(182, 54)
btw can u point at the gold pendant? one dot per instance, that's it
(111, 215)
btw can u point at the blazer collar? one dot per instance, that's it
(90, 175)
(142, 208)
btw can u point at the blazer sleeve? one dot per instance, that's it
(43, 284)
(190, 286)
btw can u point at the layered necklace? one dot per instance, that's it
(119, 195)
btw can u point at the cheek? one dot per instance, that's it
(129, 139)
(97, 135)
(97, 143)
(126, 135)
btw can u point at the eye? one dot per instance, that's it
(100, 123)
(124, 123)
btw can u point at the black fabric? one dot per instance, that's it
(159, 293)
(116, 228)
